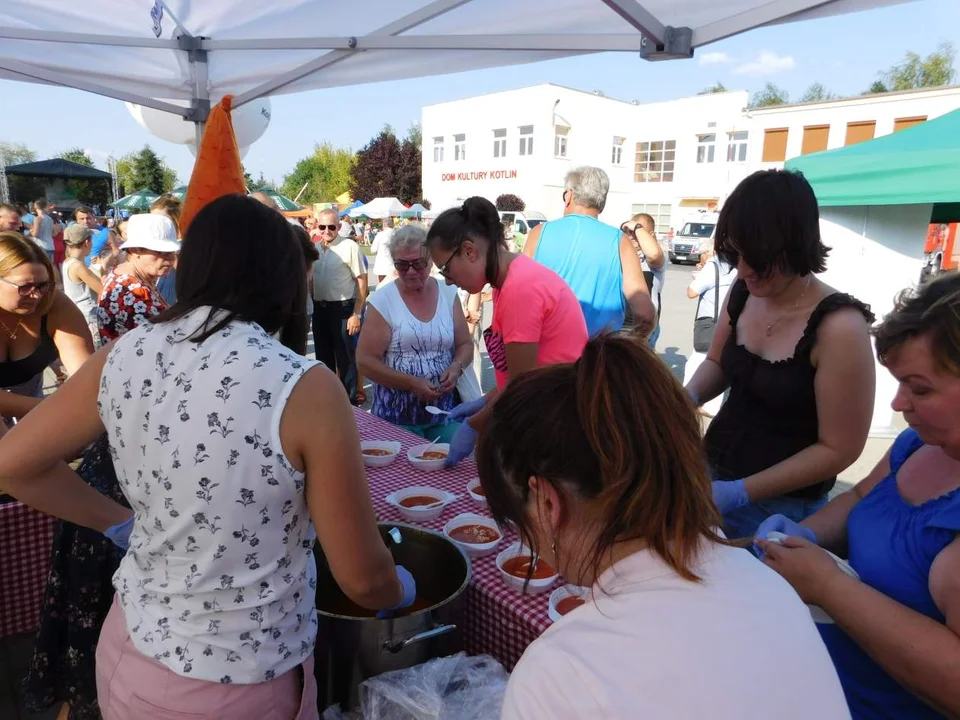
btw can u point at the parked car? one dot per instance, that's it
(694, 237)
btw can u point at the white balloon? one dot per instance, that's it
(250, 122)
(192, 146)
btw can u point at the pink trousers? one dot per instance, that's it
(133, 686)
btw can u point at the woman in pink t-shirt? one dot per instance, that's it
(537, 319)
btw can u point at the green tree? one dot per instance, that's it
(326, 173)
(88, 192)
(509, 201)
(877, 86)
(247, 177)
(22, 189)
(415, 135)
(817, 93)
(263, 184)
(769, 96)
(16, 153)
(145, 170)
(717, 87)
(914, 72)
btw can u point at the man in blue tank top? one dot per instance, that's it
(596, 260)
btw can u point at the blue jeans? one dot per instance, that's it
(743, 522)
(654, 336)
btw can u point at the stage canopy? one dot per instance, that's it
(150, 52)
(58, 168)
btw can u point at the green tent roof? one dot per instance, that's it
(918, 165)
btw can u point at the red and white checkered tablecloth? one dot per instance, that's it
(498, 621)
(26, 537)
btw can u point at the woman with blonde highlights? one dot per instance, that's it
(38, 324)
(598, 465)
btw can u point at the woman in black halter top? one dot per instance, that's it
(795, 355)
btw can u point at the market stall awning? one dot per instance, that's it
(151, 52)
(918, 165)
(139, 201)
(58, 168)
(379, 208)
(284, 204)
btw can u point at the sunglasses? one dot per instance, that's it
(28, 289)
(445, 268)
(327, 227)
(403, 265)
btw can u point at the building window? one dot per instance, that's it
(908, 122)
(460, 147)
(617, 156)
(706, 147)
(560, 141)
(526, 139)
(438, 149)
(775, 145)
(654, 161)
(737, 146)
(814, 139)
(857, 132)
(500, 143)
(660, 214)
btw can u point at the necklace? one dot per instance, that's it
(772, 325)
(16, 329)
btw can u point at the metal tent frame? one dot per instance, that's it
(651, 38)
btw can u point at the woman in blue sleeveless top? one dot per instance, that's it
(896, 637)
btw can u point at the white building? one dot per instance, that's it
(668, 159)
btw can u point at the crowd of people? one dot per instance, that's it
(215, 454)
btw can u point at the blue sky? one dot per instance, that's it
(844, 53)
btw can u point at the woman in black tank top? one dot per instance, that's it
(37, 325)
(794, 354)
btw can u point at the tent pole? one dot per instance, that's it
(200, 105)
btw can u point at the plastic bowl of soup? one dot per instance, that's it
(476, 492)
(429, 456)
(566, 599)
(420, 504)
(476, 534)
(514, 563)
(379, 453)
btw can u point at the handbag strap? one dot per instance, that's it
(716, 291)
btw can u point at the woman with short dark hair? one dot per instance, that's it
(895, 636)
(794, 353)
(598, 465)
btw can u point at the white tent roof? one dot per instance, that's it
(147, 52)
(379, 208)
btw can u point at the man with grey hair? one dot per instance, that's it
(383, 262)
(596, 260)
(339, 293)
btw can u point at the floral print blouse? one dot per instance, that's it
(125, 303)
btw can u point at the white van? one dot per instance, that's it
(521, 223)
(694, 237)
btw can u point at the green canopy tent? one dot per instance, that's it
(918, 165)
(138, 201)
(179, 192)
(877, 199)
(283, 202)
(414, 211)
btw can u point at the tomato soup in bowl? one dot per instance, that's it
(566, 599)
(515, 564)
(379, 453)
(419, 503)
(476, 492)
(477, 535)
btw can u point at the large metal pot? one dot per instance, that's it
(352, 648)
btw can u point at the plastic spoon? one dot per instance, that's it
(436, 411)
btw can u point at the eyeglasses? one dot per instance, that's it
(26, 290)
(331, 228)
(445, 268)
(403, 265)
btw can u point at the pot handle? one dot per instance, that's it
(397, 646)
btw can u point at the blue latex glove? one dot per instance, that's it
(461, 444)
(409, 586)
(120, 534)
(728, 495)
(464, 410)
(780, 523)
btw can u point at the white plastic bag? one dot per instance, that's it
(450, 688)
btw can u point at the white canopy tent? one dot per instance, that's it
(379, 208)
(150, 52)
